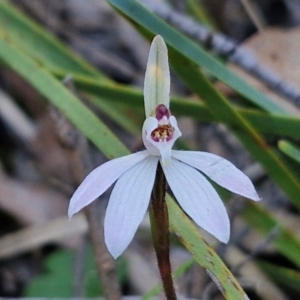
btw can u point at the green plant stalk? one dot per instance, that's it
(160, 232)
(275, 124)
(290, 149)
(191, 238)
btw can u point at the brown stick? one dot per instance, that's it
(104, 261)
(80, 163)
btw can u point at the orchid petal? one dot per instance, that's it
(220, 170)
(157, 77)
(177, 133)
(101, 178)
(149, 125)
(198, 199)
(128, 204)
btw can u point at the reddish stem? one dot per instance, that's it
(160, 233)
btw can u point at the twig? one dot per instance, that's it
(99, 56)
(14, 118)
(33, 237)
(79, 269)
(104, 261)
(254, 14)
(226, 47)
(76, 145)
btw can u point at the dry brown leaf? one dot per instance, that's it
(58, 230)
(30, 203)
(277, 49)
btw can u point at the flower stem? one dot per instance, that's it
(160, 232)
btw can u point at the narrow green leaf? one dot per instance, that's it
(284, 240)
(198, 10)
(227, 114)
(290, 149)
(284, 276)
(281, 125)
(63, 99)
(150, 22)
(48, 51)
(133, 98)
(40, 44)
(203, 253)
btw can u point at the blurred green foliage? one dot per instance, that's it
(58, 278)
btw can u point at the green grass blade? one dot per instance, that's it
(284, 239)
(249, 137)
(284, 276)
(64, 100)
(48, 51)
(40, 44)
(290, 149)
(203, 253)
(133, 98)
(200, 13)
(281, 125)
(150, 22)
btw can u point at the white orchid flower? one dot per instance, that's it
(135, 173)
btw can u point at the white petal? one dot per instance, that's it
(100, 179)
(220, 170)
(198, 199)
(128, 204)
(149, 125)
(177, 133)
(157, 77)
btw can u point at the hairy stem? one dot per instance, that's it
(160, 233)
